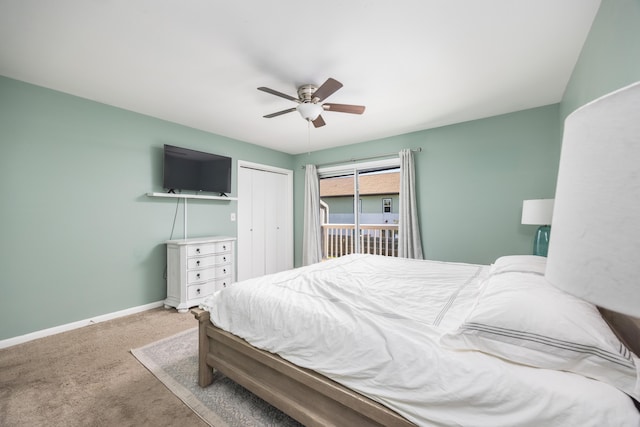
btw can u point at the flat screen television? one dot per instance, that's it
(186, 169)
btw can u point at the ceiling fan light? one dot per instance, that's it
(309, 111)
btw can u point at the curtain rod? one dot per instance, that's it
(353, 160)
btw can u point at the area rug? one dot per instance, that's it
(174, 361)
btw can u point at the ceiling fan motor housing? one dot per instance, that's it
(305, 93)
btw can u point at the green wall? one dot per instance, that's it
(79, 236)
(610, 57)
(471, 180)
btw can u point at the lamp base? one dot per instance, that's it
(541, 241)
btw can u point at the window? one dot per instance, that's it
(386, 205)
(350, 197)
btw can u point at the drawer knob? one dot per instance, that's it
(198, 263)
(224, 270)
(198, 291)
(198, 275)
(224, 247)
(197, 250)
(224, 258)
(224, 284)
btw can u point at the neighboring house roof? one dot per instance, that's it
(381, 183)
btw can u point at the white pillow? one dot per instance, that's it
(519, 263)
(522, 318)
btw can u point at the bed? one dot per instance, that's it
(381, 341)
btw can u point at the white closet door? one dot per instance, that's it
(245, 223)
(275, 216)
(265, 221)
(283, 225)
(259, 225)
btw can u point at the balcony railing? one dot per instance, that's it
(375, 239)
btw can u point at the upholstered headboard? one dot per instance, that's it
(627, 328)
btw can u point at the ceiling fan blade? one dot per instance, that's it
(327, 89)
(279, 113)
(344, 108)
(318, 122)
(280, 94)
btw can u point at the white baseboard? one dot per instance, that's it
(75, 325)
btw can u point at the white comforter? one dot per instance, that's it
(373, 323)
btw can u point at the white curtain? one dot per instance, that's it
(409, 244)
(312, 235)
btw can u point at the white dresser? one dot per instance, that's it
(196, 268)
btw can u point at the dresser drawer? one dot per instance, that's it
(209, 261)
(208, 248)
(200, 291)
(222, 283)
(208, 274)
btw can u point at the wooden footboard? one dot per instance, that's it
(205, 372)
(305, 395)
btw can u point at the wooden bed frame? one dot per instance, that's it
(307, 396)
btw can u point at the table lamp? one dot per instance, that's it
(539, 212)
(595, 252)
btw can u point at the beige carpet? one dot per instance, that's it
(88, 377)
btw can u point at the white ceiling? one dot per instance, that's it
(415, 64)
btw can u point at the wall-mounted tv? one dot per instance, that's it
(186, 169)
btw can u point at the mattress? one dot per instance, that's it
(374, 324)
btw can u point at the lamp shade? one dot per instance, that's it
(537, 212)
(595, 250)
(309, 111)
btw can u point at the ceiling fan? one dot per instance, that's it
(309, 102)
